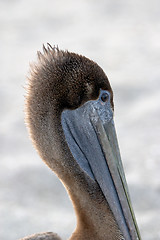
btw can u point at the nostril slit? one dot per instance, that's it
(104, 97)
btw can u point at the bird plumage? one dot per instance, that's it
(62, 80)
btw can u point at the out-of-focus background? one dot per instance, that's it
(123, 37)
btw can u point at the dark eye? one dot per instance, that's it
(104, 97)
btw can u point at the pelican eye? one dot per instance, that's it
(104, 97)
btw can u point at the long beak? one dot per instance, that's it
(91, 137)
(122, 210)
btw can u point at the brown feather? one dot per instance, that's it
(58, 81)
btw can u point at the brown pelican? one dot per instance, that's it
(69, 107)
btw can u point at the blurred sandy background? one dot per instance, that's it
(123, 37)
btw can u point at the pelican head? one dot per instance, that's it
(69, 113)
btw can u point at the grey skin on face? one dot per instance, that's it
(69, 113)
